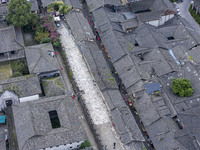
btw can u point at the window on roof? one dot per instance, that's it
(129, 15)
(12, 52)
(1, 54)
(55, 122)
(136, 44)
(170, 38)
(143, 11)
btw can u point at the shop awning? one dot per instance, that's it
(3, 119)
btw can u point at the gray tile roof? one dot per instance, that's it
(3, 9)
(9, 41)
(149, 16)
(95, 4)
(68, 2)
(161, 135)
(34, 5)
(152, 87)
(53, 86)
(39, 60)
(79, 25)
(73, 3)
(23, 86)
(98, 65)
(141, 5)
(153, 5)
(46, 3)
(129, 24)
(33, 126)
(76, 4)
(110, 42)
(194, 53)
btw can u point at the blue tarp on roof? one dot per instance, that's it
(152, 87)
(3, 119)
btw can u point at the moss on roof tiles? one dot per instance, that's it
(53, 86)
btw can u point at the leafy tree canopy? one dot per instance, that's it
(182, 87)
(59, 6)
(85, 144)
(34, 19)
(19, 12)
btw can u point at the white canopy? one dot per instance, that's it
(56, 18)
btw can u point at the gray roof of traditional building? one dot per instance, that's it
(153, 5)
(194, 53)
(23, 86)
(152, 87)
(34, 5)
(39, 59)
(158, 65)
(3, 9)
(95, 4)
(53, 86)
(73, 3)
(149, 16)
(76, 4)
(68, 2)
(77, 22)
(33, 126)
(9, 40)
(46, 3)
(133, 23)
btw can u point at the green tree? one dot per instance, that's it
(19, 66)
(64, 8)
(19, 12)
(34, 19)
(45, 40)
(85, 144)
(182, 87)
(40, 36)
(57, 44)
(16, 74)
(59, 6)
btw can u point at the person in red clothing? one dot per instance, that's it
(73, 96)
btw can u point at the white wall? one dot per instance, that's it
(29, 98)
(154, 22)
(161, 21)
(71, 146)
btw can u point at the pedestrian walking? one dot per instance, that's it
(114, 144)
(73, 96)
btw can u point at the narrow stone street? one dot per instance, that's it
(78, 105)
(91, 93)
(186, 14)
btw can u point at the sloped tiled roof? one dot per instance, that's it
(34, 6)
(53, 86)
(33, 126)
(39, 59)
(23, 86)
(3, 9)
(8, 40)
